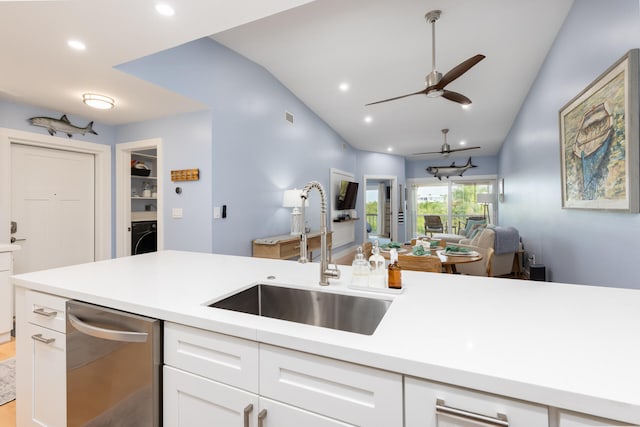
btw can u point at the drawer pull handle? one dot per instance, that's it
(499, 421)
(43, 312)
(247, 413)
(261, 416)
(39, 337)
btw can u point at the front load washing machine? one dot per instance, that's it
(144, 237)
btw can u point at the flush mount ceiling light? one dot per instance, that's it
(164, 9)
(100, 102)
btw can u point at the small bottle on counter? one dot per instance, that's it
(377, 277)
(360, 270)
(394, 271)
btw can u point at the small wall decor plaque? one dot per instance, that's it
(185, 175)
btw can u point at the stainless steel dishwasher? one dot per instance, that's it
(113, 368)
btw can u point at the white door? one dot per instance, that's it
(52, 200)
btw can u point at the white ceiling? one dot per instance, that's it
(382, 48)
(38, 67)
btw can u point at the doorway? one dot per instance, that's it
(52, 206)
(381, 208)
(101, 178)
(133, 204)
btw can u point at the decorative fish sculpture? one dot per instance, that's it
(62, 125)
(447, 171)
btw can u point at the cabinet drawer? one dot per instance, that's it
(5, 261)
(46, 310)
(570, 419)
(290, 249)
(351, 393)
(463, 407)
(220, 357)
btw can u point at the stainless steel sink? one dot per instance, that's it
(344, 312)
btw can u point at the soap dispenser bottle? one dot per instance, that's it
(377, 277)
(360, 270)
(394, 271)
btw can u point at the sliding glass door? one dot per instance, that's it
(453, 201)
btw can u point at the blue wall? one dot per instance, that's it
(255, 154)
(186, 142)
(588, 247)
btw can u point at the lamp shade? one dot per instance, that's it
(484, 198)
(291, 199)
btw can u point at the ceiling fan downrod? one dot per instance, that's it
(434, 76)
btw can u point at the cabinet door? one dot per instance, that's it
(48, 369)
(580, 420)
(278, 414)
(193, 401)
(430, 404)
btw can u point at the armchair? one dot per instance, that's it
(502, 263)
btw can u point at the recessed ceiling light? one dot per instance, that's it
(100, 102)
(344, 87)
(164, 9)
(368, 119)
(76, 44)
(466, 106)
(463, 142)
(390, 149)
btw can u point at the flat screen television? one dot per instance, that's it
(347, 195)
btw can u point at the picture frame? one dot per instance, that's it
(599, 141)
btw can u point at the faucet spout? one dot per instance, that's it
(325, 256)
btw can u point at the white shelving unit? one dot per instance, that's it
(144, 208)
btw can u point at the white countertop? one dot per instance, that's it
(568, 346)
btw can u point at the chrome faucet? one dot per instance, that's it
(325, 256)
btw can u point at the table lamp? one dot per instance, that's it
(293, 200)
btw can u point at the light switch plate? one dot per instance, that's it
(216, 212)
(176, 212)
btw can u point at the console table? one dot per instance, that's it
(287, 246)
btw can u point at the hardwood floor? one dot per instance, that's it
(8, 410)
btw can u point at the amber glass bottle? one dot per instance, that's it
(394, 270)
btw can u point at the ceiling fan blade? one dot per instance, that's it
(428, 152)
(457, 71)
(456, 97)
(461, 149)
(423, 91)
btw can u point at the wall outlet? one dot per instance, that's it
(176, 213)
(217, 213)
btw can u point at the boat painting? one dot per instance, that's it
(591, 145)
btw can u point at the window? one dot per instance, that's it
(454, 201)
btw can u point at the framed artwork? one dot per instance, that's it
(599, 141)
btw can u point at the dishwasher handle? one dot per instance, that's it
(107, 334)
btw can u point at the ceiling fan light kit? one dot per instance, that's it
(435, 81)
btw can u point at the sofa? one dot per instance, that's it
(472, 228)
(506, 243)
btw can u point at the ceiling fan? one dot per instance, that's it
(435, 81)
(446, 149)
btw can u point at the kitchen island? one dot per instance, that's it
(565, 349)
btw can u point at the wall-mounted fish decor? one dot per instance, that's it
(62, 125)
(447, 171)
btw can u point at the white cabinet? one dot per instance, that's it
(206, 372)
(193, 401)
(6, 292)
(144, 204)
(41, 351)
(570, 419)
(429, 404)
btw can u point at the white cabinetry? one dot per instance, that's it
(144, 204)
(6, 292)
(429, 404)
(209, 374)
(569, 419)
(41, 350)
